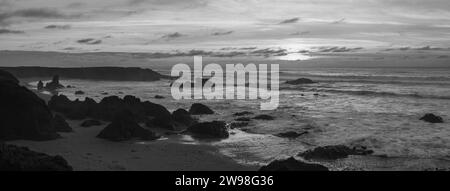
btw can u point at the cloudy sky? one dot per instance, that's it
(168, 25)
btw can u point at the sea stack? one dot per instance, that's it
(54, 84)
(40, 85)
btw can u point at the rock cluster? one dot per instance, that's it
(54, 84)
(106, 109)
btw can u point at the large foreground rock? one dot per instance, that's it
(334, 152)
(291, 164)
(23, 115)
(125, 128)
(13, 158)
(431, 118)
(200, 109)
(215, 129)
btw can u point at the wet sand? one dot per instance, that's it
(84, 151)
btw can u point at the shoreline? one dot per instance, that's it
(84, 152)
(251, 156)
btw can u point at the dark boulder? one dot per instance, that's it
(160, 116)
(124, 127)
(79, 93)
(54, 84)
(184, 117)
(264, 117)
(334, 152)
(300, 81)
(24, 115)
(91, 123)
(215, 129)
(60, 124)
(291, 164)
(242, 113)
(200, 109)
(291, 134)
(13, 158)
(431, 118)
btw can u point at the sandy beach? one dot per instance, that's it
(85, 152)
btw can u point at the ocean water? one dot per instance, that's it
(374, 107)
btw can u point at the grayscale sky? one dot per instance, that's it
(163, 25)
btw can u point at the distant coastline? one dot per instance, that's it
(88, 73)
